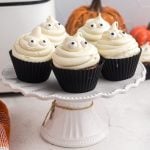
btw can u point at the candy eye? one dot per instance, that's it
(58, 25)
(124, 34)
(32, 43)
(93, 25)
(84, 43)
(113, 35)
(43, 42)
(73, 44)
(100, 24)
(49, 26)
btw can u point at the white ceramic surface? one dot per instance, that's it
(51, 90)
(72, 128)
(75, 128)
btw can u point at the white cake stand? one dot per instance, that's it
(72, 120)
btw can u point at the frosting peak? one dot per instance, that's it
(114, 26)
(117, 44)
(97, 24)
(114, 33)
(75, 53)
(93, 29)
(51, 19)
(36, 32)
(54, 30)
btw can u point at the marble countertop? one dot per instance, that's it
(128, 116)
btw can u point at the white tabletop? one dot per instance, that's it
(128, 116)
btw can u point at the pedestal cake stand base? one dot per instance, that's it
(74, 125)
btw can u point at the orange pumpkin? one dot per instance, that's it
(4, 118)
(4, 126)
(80, 15)
(141, 34)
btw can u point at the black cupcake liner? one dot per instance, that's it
(31, 72)
(119, 69)
(147, 66)
(77, 81)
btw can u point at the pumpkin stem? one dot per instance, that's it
(148, 27)
(96, 5)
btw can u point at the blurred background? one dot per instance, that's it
(135, 12)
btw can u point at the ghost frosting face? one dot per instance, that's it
(75, 43)
(93, 29)
(33, 47)
(35, 40)
(75, 53)
(54, 30)
(114, 33)
(116, 44)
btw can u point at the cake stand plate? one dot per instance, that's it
(51, 90)
(72, 120)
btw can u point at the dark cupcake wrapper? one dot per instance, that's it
(119, 69)
(31, 72)
(77, 81)
(147, 66)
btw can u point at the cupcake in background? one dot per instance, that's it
(54, 30)
(94, 28)
(76, 64)
(145, 58)
(120, 52)
(31, 56)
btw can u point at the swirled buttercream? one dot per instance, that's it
(75, 53)
(54, 30)
(93, 29)
(33, 47)
(116, 44)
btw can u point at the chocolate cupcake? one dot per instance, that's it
(31, 57)
(76, 65)
(94, 28)
(54, 30)
(145, 58)
(120, 52)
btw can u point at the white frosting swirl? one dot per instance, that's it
(116, 44)
(93, 29)
(54, 30)
(145, 56)
(75, 53)
(33, 47)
